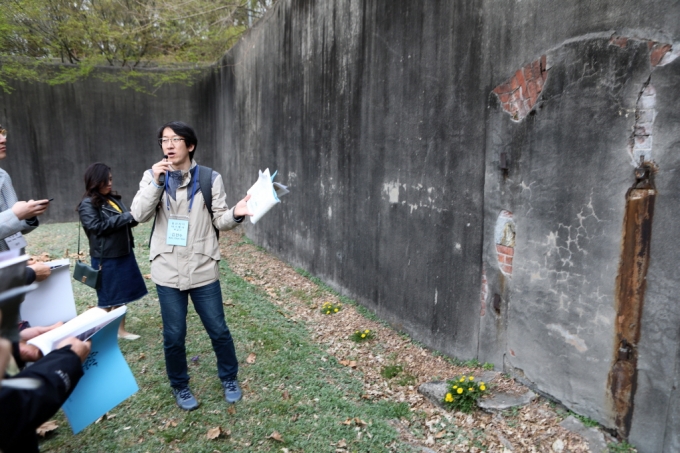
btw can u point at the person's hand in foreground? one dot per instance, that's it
(31, 208)
(28, 352)
(42, 270)
(81, 348)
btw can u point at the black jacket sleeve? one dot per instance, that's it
(23, 411)
(30, 275)
(95, 223)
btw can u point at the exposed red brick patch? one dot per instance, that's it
(620, 41)
(505, 241)
(502, 249)
(658, 51)
(519, 94)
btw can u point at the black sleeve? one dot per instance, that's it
(23, 411)
(30, 275)
(92, 220)
(33, 222)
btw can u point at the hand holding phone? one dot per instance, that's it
(31, 208)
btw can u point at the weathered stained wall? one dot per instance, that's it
(373, 131)
(461, 168)
(389, 120)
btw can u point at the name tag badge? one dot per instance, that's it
(178, 230)
(16, 241)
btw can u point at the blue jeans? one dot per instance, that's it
(208, 304)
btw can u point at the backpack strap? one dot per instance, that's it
(205, 184)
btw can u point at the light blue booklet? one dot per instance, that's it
(107, 382)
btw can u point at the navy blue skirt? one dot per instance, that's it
(121, 281)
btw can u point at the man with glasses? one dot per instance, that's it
(187, 208)
(18, 217)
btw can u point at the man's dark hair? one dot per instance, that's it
(97, 176)
(183, 130)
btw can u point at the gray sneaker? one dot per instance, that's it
(184, 398)
(232, 392)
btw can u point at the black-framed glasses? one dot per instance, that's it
(174, 140)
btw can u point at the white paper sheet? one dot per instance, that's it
(53, 301)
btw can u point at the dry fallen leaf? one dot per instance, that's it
(46, 427)
(352, 363)
(344, 362)
(342, 443)
(276, 436)
(251, 358)
(231, 410)
(286, 395)
(214, 433)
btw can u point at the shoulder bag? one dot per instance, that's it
(87, 274)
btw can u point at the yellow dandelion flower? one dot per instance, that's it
(460, 390)
(462, 379)
(336, 310)
(482, 387)
(472, 378)
(328, 312)
(366, 331)
(363, 335)
(471, 389)
(449, 398)
(455, 387)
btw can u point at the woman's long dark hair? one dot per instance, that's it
(97, 176)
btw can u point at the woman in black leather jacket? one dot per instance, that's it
(108, 225)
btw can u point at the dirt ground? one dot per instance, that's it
(533, 428)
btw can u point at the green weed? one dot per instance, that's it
(587, 421)
(390, 371)
(622, 447)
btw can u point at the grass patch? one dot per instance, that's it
(623, 447)
(587, 421)
(391, 371)
(289, 389)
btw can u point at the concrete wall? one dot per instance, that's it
(55, 132)
(388, 120)
(460, 168)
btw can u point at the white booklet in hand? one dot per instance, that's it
(81, 327)
(264, 194)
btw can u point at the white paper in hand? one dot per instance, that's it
(262, 196)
